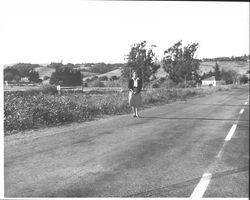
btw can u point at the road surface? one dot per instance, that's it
(193, 148)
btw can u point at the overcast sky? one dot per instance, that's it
(77, 31)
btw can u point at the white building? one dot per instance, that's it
(24, 79)
(209, 81)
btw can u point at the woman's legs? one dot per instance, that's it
(133, 109)
(136, 112)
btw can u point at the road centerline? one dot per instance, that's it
(241, 111)
(231, 132)
(202, 186)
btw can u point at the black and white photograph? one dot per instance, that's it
(124, 99)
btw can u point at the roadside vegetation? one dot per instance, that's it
(35, 109)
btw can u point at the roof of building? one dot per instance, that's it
(212, 78)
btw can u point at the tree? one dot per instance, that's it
(23, 69)
(11, 74)
(229, 76)
(34, 76)
(142, 60)
(210, 73)
(17, 78)
(179, 62)
(8, 76)
(66, 76)
(244, 79)
(217, 72)
(55, 65)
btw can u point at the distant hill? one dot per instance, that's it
(116, 72)
(240, 66)
(44, 71)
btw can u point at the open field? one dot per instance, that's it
(45, 71)
(116, 72)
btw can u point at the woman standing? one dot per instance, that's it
(135, 86)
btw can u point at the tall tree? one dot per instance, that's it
(217, 72)
(142, 60)
(180, 62)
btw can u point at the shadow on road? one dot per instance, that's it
(191, 118)
(204, 104)
(169, 188)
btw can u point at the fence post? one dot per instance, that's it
(58, 87)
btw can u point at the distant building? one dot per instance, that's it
(24, 79)
(209, 81)
(212, 81)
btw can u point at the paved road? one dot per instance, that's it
(163, 154)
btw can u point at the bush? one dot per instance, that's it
(94, 78)
(45, 78)
(116, 83)
(113, 78)
(49, 89)
(155, 85)
(162, 79)
(103, 78)
(97, 83)
(243, 79)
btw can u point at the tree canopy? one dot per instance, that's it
(15, 72)
(142, 60)
(217, 72)
(66, 76)
(180, 62)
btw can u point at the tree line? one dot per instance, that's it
(17, 71)
(179, 62)
(243, 58)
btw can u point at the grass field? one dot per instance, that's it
(45, 71)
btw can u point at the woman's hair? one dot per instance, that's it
(134, 71)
